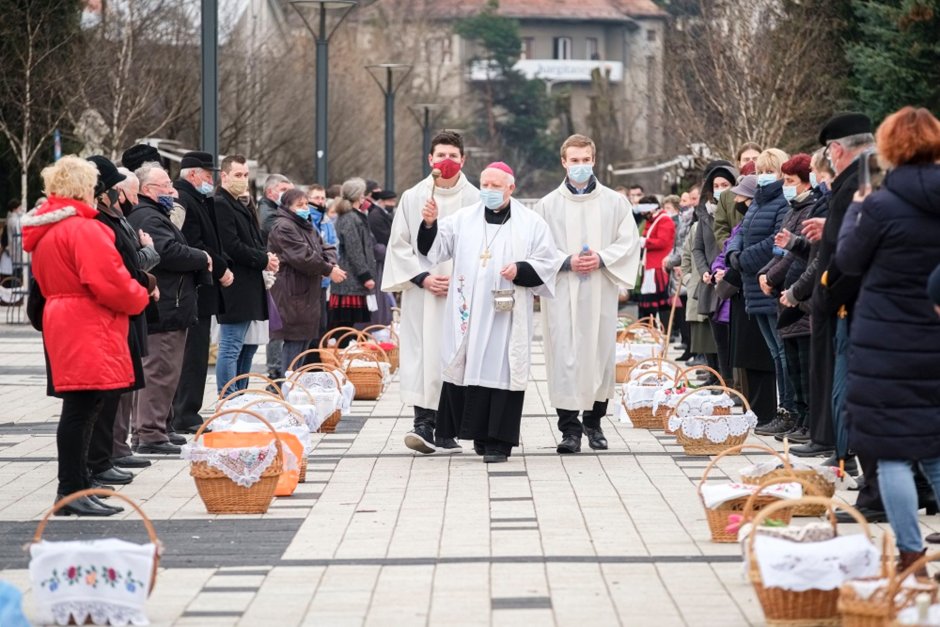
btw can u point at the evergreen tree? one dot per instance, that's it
(895, 56)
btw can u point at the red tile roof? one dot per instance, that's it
(602, 10)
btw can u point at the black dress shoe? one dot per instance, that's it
(97, 500)
(495, 458)
(101, 486)
(130, 461)
(870, 515)
(176, 438)
(84, 506)
(158, 448)
(114, 477)
(569, 444)
(479, 448)
(811, 449)
(190, 430)
(596, 439)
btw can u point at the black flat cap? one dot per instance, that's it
(843, 125)
(108, 175)
(385, 194)
(196, 159)
(137, 155)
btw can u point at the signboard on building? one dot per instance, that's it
(553, 70)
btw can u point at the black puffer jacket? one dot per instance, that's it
(892, 241)
(245, 299)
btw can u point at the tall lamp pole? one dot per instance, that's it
(389, 77)
(425, 114)
(322, 35)
(209, 111)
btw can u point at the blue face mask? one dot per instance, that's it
(580, 173)
(205, 188)
(812, 179)
(766, 179)
(716, 193)
(303, 214)
(491, 198)
(789, 192)
(166, 201)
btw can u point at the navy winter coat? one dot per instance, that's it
(893, 387)
(755, 243)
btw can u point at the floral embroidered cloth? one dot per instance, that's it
(822, 565)
(715, 429)
(714, 494)
(243, 465)
(105, 580)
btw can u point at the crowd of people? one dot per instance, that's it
(802, 280)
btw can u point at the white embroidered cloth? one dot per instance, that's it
(865, 588)
(701, 403)
(714, 494)
(910, 616)
(715, 429)
(764, 468)
(106, 580)
(641, 393)
(637, 351)
(241, 425)
(822, 565)
(243, 465)
(320, 384)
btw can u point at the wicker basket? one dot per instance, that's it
(816, 485)
(882, 607)
(702, 445)
(331, 354)
(271, 386)
(786, 607)
(221, 495)
(369, 380)
(148, 525)
(302, 477)
(623, 368)
(328, 425)
(718, 517)
(394, 354)
(643, 416)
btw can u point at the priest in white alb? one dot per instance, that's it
(423, 288)
(597, 238)
(503, 255)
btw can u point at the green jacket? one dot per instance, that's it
(726, 218)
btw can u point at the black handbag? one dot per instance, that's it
(707, 299)
(35, 304)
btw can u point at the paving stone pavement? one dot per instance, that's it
(380, 536)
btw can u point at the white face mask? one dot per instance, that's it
(711, 208)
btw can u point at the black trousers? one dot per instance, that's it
(762, 394)
(101, 442)
(722, 333)
(425, 417)
(486, 415)
(192, 385)
(80, 410)
(797, 351)
(569, 424)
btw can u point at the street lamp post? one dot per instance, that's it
(423, 116)
(389, 86)
(322, 36)
(209, 111)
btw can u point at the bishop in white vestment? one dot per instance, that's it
(423, 288)
(502, 254)
(597, 238)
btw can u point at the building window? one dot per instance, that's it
(650, 35)
(563, 48)
(528, 44)
(592, 51)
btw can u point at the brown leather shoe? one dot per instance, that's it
(907, 558)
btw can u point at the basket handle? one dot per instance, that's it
(684, 375)
(74, 496)
(830, 504)
(899, 578)
(290, 408)
(249, 376)
(368, 354)
(659, 361)
(747, 512)
(310, 351)
(329, 334)
(315, 368)
(734, 450)
(705, 388)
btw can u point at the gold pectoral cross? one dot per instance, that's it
(485, 256)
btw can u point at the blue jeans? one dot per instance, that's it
(234, 356)
(899, 495)
(768, 328)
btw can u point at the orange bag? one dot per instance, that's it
(287, 482)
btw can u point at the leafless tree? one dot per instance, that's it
(39, 79)
(748, 71)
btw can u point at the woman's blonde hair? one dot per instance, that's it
(70, 177)
(352, 190)
(771, 159)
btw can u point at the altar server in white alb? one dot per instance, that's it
(423, 288)
(503, 254)
(597, 238)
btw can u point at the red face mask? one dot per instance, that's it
(448, 167)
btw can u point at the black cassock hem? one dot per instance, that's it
(478, 413)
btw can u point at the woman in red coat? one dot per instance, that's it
(658, 240)
(89, 296)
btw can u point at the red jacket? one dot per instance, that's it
(89, 296)
(660, 234)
